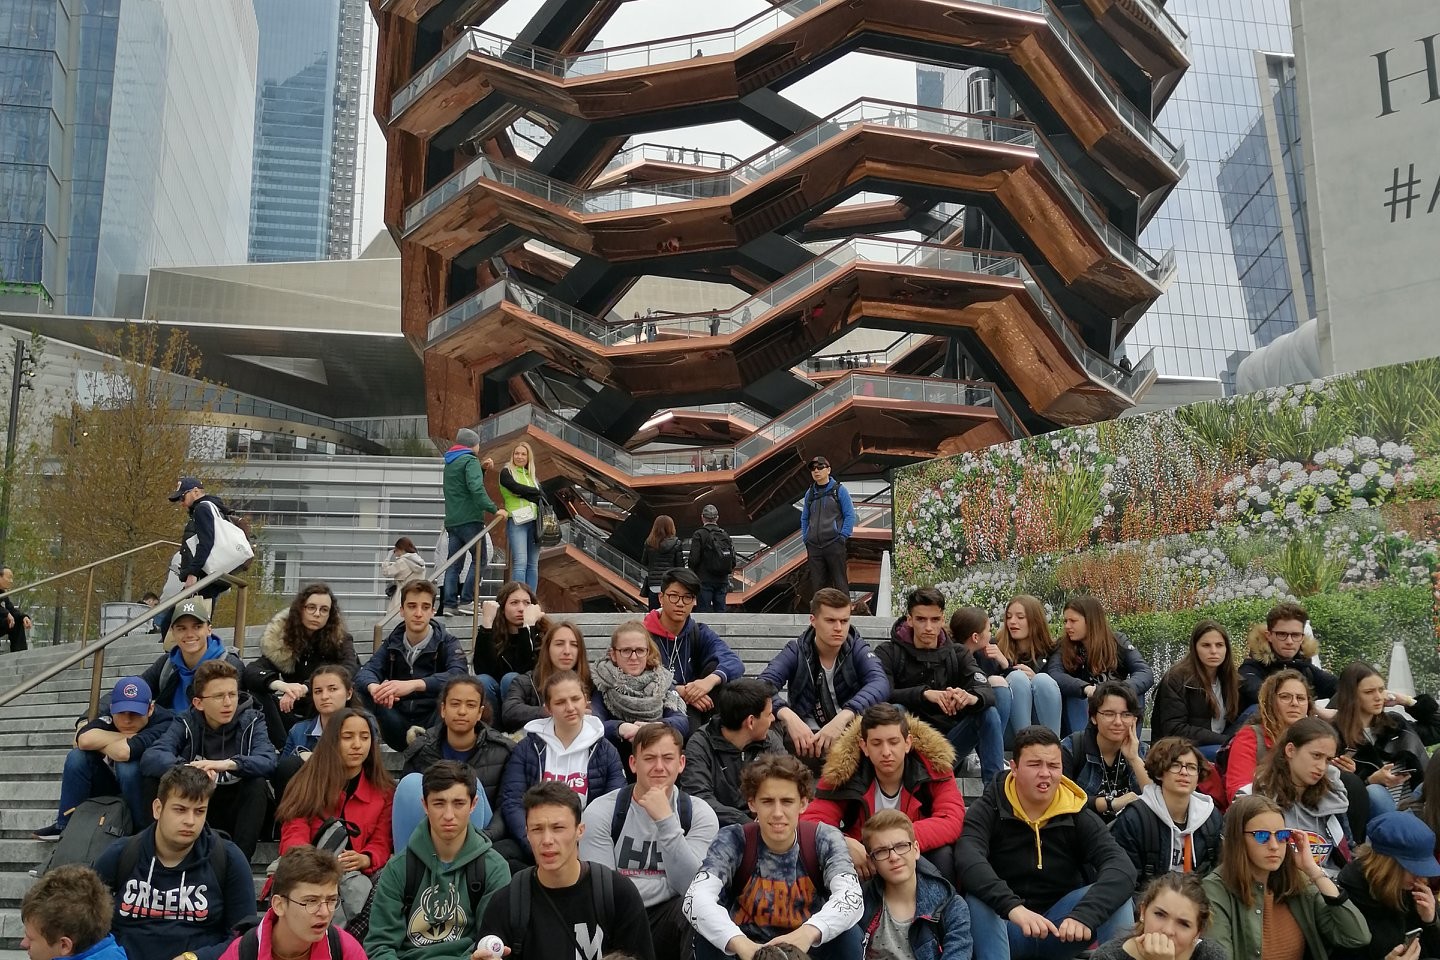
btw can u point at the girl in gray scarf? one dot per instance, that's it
(632, 688)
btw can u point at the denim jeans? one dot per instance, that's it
(88, 775)
(712, 597)
(408, 809)
(996, 938)
(984, 733)
(495, 691)
(844, 947)
(1036, 700)
(1381, 800)
(456, 592)
(524, 553)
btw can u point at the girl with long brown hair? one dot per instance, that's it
(561, 648)
(1285, 697)
(1199, 697)
(308, 633)
(1025, 646)
(1269, 897)
(663, 551)
(508, 641)
(1300, 775)
(345, 780)
(1387, 749)
(1091, 653)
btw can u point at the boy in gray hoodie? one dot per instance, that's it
(1172, 827)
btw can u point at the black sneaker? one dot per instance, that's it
(49, 834)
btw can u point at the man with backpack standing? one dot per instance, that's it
(827, 518)
(429, 899)
(197, 539)
(181, 889)
(466, 503)
(562, 907)
(712, 558)
(777, 880)
(653, 833)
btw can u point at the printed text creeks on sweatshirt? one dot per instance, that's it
(161, 912)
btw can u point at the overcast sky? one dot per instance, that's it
(641, 21)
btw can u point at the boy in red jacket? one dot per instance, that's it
(887, 761)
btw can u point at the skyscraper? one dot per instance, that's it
(307, 121)
(125, 142)
(1203, 319)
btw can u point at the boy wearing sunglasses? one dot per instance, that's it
(911, 911)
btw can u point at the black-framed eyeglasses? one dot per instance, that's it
(1178, 767)
(317, 905)
(1263, 836)
(683, 599)
(1287, 635)
(1115, 715)
(630, 653)
(894, 850)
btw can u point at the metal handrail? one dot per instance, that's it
(455, 556)
(92, 566)
(94, 563)
(97, 649)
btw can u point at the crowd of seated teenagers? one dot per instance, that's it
(887, 760)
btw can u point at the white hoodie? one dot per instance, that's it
(570, 765)
(1201, 806)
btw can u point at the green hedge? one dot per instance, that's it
(1350, 625)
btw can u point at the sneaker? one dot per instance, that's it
(412, 733)
(466, 609)
(49, 834)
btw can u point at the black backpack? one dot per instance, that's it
(415, 870)
(93, 826)
(250, 944)
(683, 805)
(717, 556)
(602, 892)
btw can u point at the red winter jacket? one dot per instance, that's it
(368, 810)
(845, 796)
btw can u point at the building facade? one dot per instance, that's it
(1205, 318)
(307, 121)
(102, 173)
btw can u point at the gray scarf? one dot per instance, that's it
(639, 699)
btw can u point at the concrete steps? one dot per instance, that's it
(37, 729)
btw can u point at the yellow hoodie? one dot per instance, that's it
(1065, 798)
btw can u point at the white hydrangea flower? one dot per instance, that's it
(1369, 468)
(1357, 481)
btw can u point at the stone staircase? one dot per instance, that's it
(37, 729)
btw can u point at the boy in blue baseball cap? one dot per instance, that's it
(106, 758)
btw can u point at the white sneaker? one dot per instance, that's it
(467, 609)
(412, 733)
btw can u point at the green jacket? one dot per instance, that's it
(441, 924)
(1325, 923)
(466, 500)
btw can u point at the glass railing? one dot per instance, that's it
(757, 28)
(777, 431)
(862, 112)
(661, 153)
(769, 562)
(582, 535)
(840, 255)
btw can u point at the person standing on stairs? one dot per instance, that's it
(196, 540)
(524, 501)
(827, 518)
(466, 504)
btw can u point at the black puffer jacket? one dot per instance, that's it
(912, 671)
(712, 770)
(1183, 710)
(657, 560)
(492, 750)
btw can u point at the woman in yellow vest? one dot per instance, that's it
(520, 489)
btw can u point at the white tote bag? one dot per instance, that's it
(231, 547)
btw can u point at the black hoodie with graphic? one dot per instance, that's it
(161, 912)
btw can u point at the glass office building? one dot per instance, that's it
(307, 119)
(125, 142)
(1205, 319)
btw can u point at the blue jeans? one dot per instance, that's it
(984, 733)
(88, 775)
(524, 553)
(495, 691)
(844, 947)
(1381, 800)
(996, 938)
(1036, 700)
(712, 597)
(408, 809)
(455, 591)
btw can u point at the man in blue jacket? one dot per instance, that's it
(401, 683)
(105, 760)
(181, 889)
(827, 518)
(693, 653)
(224, 737)
(67, 914)
(831, 675)
(170, 675)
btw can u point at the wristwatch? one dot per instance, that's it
(189, 955)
